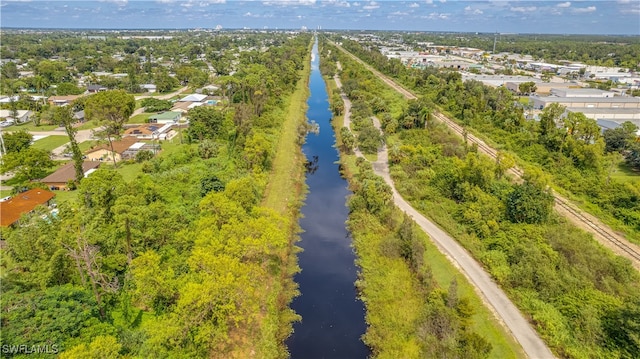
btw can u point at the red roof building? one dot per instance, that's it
(25, 202)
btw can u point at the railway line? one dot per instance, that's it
(605, 235)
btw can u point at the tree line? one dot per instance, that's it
(180, 261)
(581, 298)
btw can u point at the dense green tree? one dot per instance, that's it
(619, 138)
(369, 139)
(67, 88)
(527, 88)
(348, 140)
(29, 164)
(549, 133)
(57, 316)
(204, 122)
(17, 141)
(111, 109)
(155, 105)
(64, 117)
(529, 203)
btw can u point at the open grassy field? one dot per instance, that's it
(623, 173)
(139, 118)
(286, 172)
(50, 142)
(30, 126)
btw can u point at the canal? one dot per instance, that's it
(332, 316)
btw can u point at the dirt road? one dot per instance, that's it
(507, 313)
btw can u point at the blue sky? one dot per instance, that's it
(558, 17)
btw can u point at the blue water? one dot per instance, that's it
(332, 317)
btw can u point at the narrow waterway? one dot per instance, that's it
(332, 316)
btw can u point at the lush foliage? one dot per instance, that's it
(409, 314)
(180, 261)
(572, 288)
(569, 148)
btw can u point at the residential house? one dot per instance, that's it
(23, 203)
(62, 100)
(151, 88)
(79, 116)
(133, 150)
(96, 88)
(104, 152)
(21, 116)
(60, 178)
(193, 98)
(149, 131)
(165, 117)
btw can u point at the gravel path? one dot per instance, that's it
(507, 313)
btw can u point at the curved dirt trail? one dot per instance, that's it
(488, 290)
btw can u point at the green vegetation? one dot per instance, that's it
(50, 143)
(571, 288)
(570, 150)
(418, 305)
(139, 118)
(173, 256)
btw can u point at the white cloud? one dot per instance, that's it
(469, 11)
(356, 4)
(633, 9)
(289, 2)
(398, 13)
(523, 8)
(338, 3)
(117, 2)
(414, 5)
(582, 10)
(437, 16)
(624, 1)
(429, 2)
(564, 4)
(371, 6)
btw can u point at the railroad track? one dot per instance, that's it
(606, 235)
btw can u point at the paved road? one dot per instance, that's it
(509, 316)
(165, 96)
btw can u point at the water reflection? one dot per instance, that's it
(311, 166)
(332, 316)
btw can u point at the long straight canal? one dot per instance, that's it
(332, 316)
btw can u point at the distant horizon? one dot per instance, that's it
(298, 29)
(619, 17)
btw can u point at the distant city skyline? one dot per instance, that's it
(545, 17)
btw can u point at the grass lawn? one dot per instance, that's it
(50, 142)
(286, 173)
(87, 126)
(65, 196)
(30, 126)
(139, 118)
(624, 173)
(84, 146)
